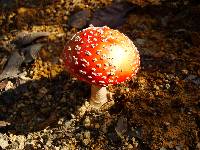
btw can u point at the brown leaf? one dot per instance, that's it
(111, 16)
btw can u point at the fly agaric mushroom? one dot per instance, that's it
(101, 56)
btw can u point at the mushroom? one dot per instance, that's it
(101, 57)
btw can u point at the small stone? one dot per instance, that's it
(4, 123)
(86, 141)
(126, 143)
(87, 134)
(49, 143)
(48, 11)
(87, 122)
(72, 115)
(135, 143)
(43, 90)
(82, 110)
(67, 124)
(97, 126)
(22, 10)
(87, 104)
(167, 86)
(57, 148)
(60, 121)
(65, 18)
(184, 71)
(130, 146)
(156, 87)
(9, 86)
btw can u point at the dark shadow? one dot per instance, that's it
(36, 105)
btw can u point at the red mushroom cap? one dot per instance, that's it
(101, 56)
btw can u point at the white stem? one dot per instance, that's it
(98, 96)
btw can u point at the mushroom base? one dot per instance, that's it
(98, 96)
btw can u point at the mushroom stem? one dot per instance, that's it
(98, 96)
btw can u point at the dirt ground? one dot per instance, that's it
(159, 109)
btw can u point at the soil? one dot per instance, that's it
(49, 109)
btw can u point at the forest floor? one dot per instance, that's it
(46, 108)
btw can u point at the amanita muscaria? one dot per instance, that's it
(101, 56)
